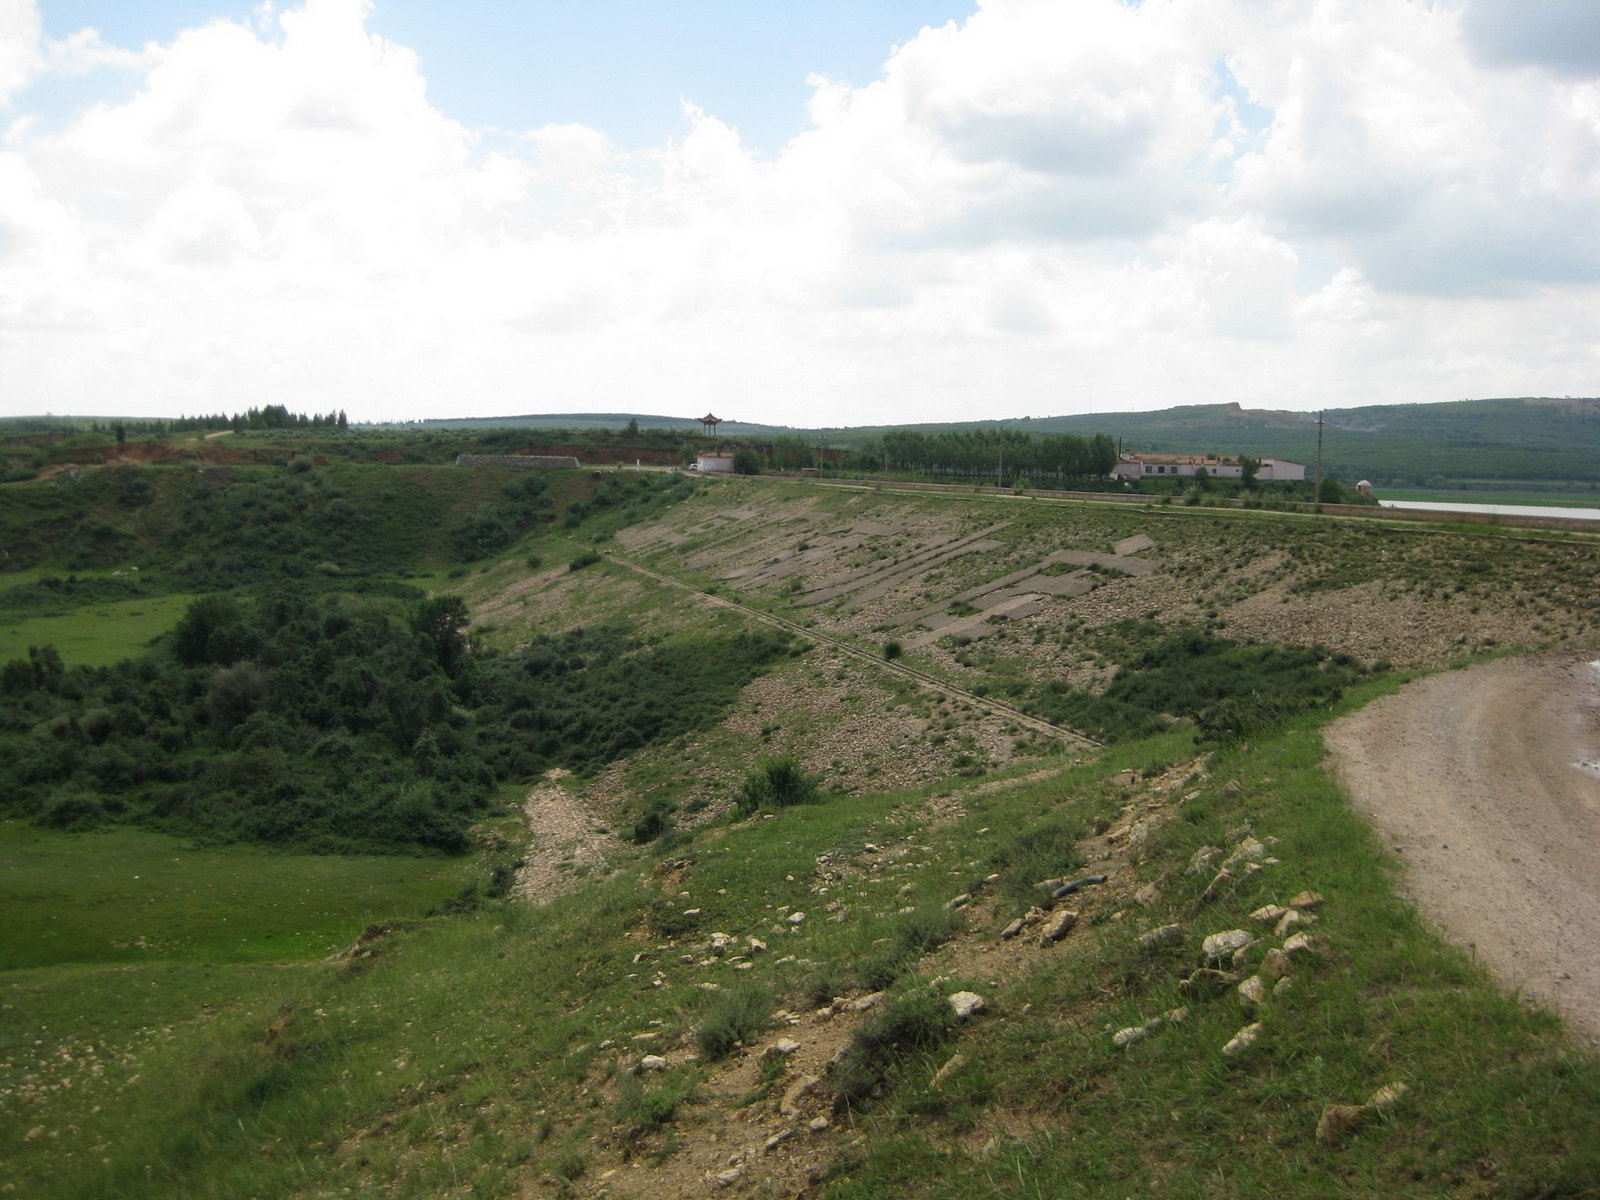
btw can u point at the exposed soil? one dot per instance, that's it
(1486, 783)
(566, 842)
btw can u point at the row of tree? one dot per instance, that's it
(988, 452)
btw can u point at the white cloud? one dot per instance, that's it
(1046, 207)
(21, 46)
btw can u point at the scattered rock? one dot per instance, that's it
(1225, 944)
(757, 946)
(1033, 916)
(967, 1004)
(1268, 913)
(1339, 1121)
(1243, 1040)
(1059, 927)
(1283, 985)
(1148, 895)
(870, 1000)
(1253, 991)
(819, 1124)
(1207, 982)
(719, 943)
(781, 1048)
(1307, 900)
(729, 1177)
(652, 1062)
(960, 901)
(1301, 944)
(1163, 935)
(796, 1092)
(1201, 859)
(1249, 850)
(777, 1139)
(33, 1134)
(795, 918)
(951, 1066)
(1133, 1033)
(1011, 930)
(1291, 918)
(1275, 964)
(1387, 1096)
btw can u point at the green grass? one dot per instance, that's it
(124, 895)
(96, 635)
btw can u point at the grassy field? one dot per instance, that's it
(127, 895)
(97, 635)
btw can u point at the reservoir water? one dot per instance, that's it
(1504, 510)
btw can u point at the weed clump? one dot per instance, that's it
(912, 936)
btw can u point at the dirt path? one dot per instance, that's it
(1486, 783)
(565, 844)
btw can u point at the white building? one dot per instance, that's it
(1169, 466)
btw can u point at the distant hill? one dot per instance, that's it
(1523, 439)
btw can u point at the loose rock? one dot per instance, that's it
(961, 901)
(1253, 991)
(1243, 1040)
(1289, 920)
(951, 1066)
(1222, 945)
(1201, 859)
(796, 918)
(966, 1004)
(652, 1062)
(1164, 935)
(1011, 930)
(1148, 895)
(1301, 944)
(1268, 913)
(1307, 900)
(1207, 982)
(819, 1124)
(1275, 964)
(1339, 1121)
(1059, 927)
(796, 1092)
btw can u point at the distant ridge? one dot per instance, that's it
(1526, 438)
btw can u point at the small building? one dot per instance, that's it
(714, 464)
(1177, 466)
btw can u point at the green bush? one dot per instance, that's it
(777, 783)
(587, 559)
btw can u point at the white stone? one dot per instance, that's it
(1221, 945)
(966, 1004)
(652, 1062)
(1243, 1040)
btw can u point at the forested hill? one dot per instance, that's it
(1530, 438)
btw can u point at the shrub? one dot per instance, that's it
(587, 559)
(732, 1018)
(917, 1019)
(777, 783)
(891, 651)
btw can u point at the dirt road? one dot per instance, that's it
(1486, 783)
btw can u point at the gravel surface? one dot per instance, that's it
(1485, 782)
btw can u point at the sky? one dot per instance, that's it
(840, 212)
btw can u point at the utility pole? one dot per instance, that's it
(1000, 463)
(1317, 497)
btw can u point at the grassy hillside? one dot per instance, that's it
(726, 958)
